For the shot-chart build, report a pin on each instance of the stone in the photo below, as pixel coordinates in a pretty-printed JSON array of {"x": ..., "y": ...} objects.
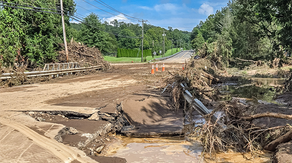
[
  {"x": 72, "y": 131},
  {"x": 94, "y": 117},
  {"x": 40, "y": 119}
]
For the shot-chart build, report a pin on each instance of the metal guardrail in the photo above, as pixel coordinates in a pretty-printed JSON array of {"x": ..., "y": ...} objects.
[
  {"x": 61, "y": 66},
  {"x": 5, "y": 76},
  {"x": 163, "y": 58},
  {"x": 197, "y": 104}
]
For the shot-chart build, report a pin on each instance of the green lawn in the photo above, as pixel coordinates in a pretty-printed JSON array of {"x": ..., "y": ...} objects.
[{"x": 135, "y": 60}]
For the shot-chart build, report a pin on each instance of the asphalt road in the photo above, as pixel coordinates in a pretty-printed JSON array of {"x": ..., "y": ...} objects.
[{"x": 180, "y": 58}]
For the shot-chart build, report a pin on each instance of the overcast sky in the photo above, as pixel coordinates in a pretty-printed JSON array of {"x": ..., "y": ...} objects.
[{"x": 180, "y": 14}]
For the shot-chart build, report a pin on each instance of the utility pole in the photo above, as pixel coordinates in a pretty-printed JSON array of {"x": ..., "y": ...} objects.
[
  {"x": 64, "y": 31},
  {"x": 163, "y": 43},
  {"x": 142, "y": 39}
]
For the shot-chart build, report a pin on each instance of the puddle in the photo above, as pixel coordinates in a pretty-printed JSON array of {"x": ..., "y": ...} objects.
[
  {"x": 261, "y": 90},
  {"x": 154, "y": 150},
  {"x": 176, "y": 150}
]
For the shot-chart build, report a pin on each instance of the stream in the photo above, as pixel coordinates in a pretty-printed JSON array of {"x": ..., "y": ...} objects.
[{"x": 177, "y": 149}]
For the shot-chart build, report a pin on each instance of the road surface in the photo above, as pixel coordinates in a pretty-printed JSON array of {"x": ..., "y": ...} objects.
[{"x": 180, "y": 58}]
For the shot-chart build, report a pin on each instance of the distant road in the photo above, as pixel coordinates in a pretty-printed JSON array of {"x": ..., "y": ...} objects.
[{"x": 180, "y": 58}]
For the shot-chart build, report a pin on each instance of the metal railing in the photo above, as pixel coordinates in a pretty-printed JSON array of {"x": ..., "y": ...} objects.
[
  {"x": 197, "y": 104},
  {"x": 56, "y": 73},
  {"x": 61, "y": 66}
]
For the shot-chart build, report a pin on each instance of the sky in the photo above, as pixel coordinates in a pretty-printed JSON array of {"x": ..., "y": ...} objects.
[{"x": 178, "y": 14}]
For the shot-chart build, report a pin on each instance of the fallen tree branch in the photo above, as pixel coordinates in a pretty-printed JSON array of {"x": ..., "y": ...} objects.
[
  {"x": 274, "y": 115},
  {"x": 283, "y": 139},
  {"x": 244, "y": 60}
]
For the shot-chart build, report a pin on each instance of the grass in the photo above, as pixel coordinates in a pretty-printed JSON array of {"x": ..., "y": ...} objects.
[
  {"x": 122, "y": 59},
  {"x": 136, "y": 60}
]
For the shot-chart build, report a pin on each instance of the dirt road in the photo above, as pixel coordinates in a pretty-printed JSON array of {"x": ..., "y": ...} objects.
[{"x": 80, "y": 94}]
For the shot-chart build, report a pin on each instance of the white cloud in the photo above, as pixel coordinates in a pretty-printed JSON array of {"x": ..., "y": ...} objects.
[
  {"x": 145, "y": 8},
  {"x": 76, "y": 22},
  {"x": 166, "y": 6},
  {"x": 120, "y": 18},
  {"x": 206, "y": 9}
]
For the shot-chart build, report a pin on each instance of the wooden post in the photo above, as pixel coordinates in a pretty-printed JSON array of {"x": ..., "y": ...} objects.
[{"x": 64, "y": 31}]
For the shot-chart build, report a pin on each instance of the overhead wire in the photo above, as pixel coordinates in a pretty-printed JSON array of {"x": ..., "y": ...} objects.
[
  {"x": 76, "y": 18},
  {"x": 106, "y": 11},
  {"x": 108, "y": 6},
  {"x": 15, "y": 7},
  {"x": 24, "y": 5}
]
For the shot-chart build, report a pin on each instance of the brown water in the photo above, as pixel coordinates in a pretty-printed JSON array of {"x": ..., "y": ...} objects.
[
  {"x": 176, "y": 150},
  {"x": 155, "y": 150}
]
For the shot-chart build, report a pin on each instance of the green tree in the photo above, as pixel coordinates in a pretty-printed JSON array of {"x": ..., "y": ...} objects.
[
  {"x": 198, "y": 42},
  {"x": 92, "y": 34},
  {"x": 127, "y": 39},
  {"x": 30, "y": 35}
]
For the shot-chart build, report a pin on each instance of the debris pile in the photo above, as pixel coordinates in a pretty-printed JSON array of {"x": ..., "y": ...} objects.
[
  {"x": 84, "y": 55},
  {"x": 198, "y": 76},
  {"x": 236, "y": 127}
]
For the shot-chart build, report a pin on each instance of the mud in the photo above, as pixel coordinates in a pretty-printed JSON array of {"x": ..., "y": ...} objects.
[
  {"x": 26, "y": 151},
  {"x": 152, "y": 114},
  {"x": 99, "y": 98}
]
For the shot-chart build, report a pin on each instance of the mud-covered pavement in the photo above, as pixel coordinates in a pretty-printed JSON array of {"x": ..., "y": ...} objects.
[{"x": 85, "y": 95}]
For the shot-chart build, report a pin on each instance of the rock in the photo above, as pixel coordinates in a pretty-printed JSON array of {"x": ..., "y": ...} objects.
[
  {"x": 59, "y": 138},
  {"x": 31, "y": 113},
  {"x": 119, "y": 108},
  {"x": 94, "y": 117},
  {"x": 99, "y": 149},
  {"x": 72, "y": 131},
  {"x": 91, "y": 151},
  {"x": 40, "y": 119}
]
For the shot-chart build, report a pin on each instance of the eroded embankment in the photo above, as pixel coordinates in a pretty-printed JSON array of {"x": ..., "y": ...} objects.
[{"x": 141, "y": 115}]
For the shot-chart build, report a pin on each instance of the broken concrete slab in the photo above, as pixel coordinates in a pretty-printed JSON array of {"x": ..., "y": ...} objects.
[
  {"x": 109, "y": 109},
  {"x": 152, "y": 115},
  {"x": 95, "y": 117}
]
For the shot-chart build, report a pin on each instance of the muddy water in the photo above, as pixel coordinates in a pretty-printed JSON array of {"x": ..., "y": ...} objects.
[
  {"x": 152, "y": 150},
  {"x": 254, "y": 89},
  {"x": 176, "y": 150}
]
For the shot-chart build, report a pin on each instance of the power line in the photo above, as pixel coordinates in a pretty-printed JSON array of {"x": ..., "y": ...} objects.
[
  {"x": 108, "y": 6},
  {"x": 105, "y": 10},
  {"x": 72, "y": 17},
  {"x": 80, "y": 20},
  {"x": 15, "y": 7},
  {"x": 23, "y": 5}
]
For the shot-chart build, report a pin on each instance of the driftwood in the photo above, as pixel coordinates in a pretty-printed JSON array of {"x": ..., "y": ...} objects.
[
  {"x": 274, "y": 115},
  {"x": 244, "y": 60},
  {"x": 282, "y": 139}
]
